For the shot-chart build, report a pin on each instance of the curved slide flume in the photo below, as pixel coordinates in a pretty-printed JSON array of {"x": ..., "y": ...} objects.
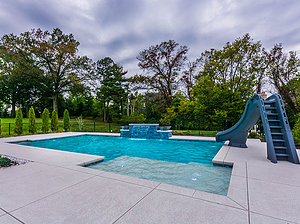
[{"x": 280, "y": 143}]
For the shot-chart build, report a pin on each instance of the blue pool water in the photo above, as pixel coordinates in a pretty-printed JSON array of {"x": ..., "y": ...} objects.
[{"x": 186, "y": 163}]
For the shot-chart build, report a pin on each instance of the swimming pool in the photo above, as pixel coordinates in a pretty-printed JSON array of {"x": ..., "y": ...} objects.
[{"x": 185, "y": 163}]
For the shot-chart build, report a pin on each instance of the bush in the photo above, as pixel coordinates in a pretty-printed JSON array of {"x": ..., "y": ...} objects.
[
  {"x": 31, "y": 120},
  {"x": 4, "y": 161},
  {"x": 54, "y": 121},
  {"x": 133, "y": 118},
  {"x": 66, "y": 120},
  {"x": 45, "y": 121},
  {"x": 19, "y": 122},
  {"x": 296, "y": 132},
  {"x": 252, "y": 135}
]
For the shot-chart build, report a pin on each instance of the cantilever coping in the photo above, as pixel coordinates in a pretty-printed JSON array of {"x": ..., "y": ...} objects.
[
  {"x": 221, "y": 155},
  {"x": 91, "y": 162}
]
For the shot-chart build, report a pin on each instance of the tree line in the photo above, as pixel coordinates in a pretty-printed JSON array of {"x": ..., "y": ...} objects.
[{"x": 44, "y": 69}]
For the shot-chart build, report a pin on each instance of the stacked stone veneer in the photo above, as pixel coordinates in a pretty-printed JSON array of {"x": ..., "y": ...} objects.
[{"x": 148, "y": 131}]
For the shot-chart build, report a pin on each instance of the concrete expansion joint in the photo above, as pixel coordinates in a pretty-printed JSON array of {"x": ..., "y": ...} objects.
[
  {"x": 7, "y": 213},
  {"x": 135, "y": 204},
  {"x": 247, "y": 186}
]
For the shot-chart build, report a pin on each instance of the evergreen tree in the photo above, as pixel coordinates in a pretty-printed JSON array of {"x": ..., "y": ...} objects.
[
  {"x": 32, "y": 124},
  {"x": 54, "y": 121},
  {"x": 45, "y": 120},
  {"x": 66, "y": 120},
  {"x": 19, "y": 122}
]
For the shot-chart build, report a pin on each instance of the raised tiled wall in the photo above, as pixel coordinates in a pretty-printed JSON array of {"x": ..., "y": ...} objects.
[{"x": 148, "y": 131}]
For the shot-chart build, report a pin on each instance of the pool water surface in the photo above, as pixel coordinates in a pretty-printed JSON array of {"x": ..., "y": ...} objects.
[{"x": 185, "y": 163}]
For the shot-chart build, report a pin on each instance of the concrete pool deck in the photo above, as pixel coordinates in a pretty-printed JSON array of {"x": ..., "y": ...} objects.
[{"x": 54, "y": 189}]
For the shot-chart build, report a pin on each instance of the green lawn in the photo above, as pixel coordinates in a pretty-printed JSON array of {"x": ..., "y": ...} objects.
[
  {"x": 89, "y": 125},
  {"x": 194, "y": 132}
]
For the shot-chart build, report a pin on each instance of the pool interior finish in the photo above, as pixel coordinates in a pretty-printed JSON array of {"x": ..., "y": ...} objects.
[{"x": 185, "y": 163}]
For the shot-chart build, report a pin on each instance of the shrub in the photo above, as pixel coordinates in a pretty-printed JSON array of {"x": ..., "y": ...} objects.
[
  {"x": 4, "y": 161},
  {"x": 31, "y": 120},
  {"x": 54, "y": 121},
  {"x": 296, "y": 132},
  {"x": 19, "y": 122},
  {"x": 66, "y": 120},
  {"x": 136, "y": 117},
  {"x": 252, "y": 135},
  {"x": 45, "y": 121}
]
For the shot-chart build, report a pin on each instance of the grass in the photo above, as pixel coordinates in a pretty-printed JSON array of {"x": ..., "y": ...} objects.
[
  {"x": 195, "y": 132},
  {"x": 89, "y": 125}
]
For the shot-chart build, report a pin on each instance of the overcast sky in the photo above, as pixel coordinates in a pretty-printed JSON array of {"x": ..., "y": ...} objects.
[{"x": 120, "y": 29}]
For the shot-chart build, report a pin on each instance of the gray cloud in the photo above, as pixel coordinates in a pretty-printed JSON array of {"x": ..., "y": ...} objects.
[{"x": 121, "y": 28}]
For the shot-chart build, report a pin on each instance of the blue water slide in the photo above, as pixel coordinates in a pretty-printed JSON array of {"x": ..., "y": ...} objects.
[{"x": 280, "y": 143}]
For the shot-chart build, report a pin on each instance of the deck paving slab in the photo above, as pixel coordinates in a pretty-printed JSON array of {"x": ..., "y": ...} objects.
[
  {"x": 276, "y": 200},
  {"x": 28, "y": 189},
  {"x": 15, "y": 172},
  {"x": 166, "y": 207},
  {"x": 262, "y": 219},
  {"x": 282, "y": 172},
  {"x": 7, "y": 219},
  {"x": 176, "y": 189},
  {"x": 2, "y": 212},
  {"x": 142, "y": 182},
  {"x": 217, "y": 199},
  {"x": 97, "y": 200}
]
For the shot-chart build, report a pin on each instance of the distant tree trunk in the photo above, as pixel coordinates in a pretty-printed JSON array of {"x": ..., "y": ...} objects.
[
  {"x": 128, "y": 105},
  {"x": 55, "y": 102},
  {"x": 104, "y": 113},
  {"x": 13, "y": 110}
]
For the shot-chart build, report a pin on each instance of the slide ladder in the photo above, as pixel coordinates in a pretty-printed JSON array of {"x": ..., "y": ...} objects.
[{"x": 280, "y": 143}]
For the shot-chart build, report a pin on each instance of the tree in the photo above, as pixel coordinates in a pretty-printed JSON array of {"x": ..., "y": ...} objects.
[
  {"x": 56, "y": 54},
  {"x": 66, "y": 120},
  {"x": 20, "y": 79},
  {"x": 283, "y": 74},
  {"x": 45, "y": 121},
  {"x": 54, "y": 121},
  {"x": 189, "y": 77},
  {"x": 31, "y": 120},
  {"x": 237, "y": 66},
  {"x": 113, "y": 90},
  {"x": 163, "y": 62},
  {"x": 296, "y": 131},
  {"x": 19, "y": 122}
]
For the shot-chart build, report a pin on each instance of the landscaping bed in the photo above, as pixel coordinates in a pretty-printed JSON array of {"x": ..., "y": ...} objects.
[{"x": 7, "y": 161}]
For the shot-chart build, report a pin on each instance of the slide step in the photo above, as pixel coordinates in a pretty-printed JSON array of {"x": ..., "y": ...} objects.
[
  {"x": 282, "y": 155},
  {"x": 278, "y": 140},
  {"x": 275, "y": 127},
  {"x": 272, "y": 114},
  {"x": 270, "y": 108},
  {"x": 280, "y": 147},
  {"x": 276, "y": 133},
  {"x": 271, "y": 120}
]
